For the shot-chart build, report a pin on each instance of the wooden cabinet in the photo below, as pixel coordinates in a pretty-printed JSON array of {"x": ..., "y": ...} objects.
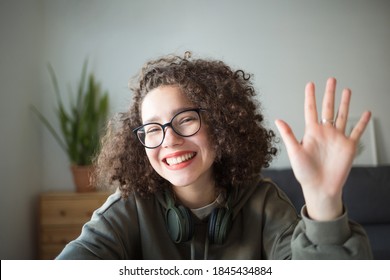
[{"x": 61, "y": 217}]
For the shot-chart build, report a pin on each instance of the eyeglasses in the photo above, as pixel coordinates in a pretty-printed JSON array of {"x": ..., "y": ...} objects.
[{"x": 185, "y": 123}]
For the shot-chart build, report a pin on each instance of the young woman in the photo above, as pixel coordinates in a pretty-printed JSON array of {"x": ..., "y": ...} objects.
[{"x": 186, "y": 162}]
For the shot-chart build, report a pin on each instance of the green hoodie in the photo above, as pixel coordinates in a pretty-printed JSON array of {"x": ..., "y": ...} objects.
[{"x": 265, "y": 225}]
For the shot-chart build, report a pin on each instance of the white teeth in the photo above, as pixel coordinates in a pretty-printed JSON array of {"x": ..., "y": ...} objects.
[{"x": 180, "y": 159}]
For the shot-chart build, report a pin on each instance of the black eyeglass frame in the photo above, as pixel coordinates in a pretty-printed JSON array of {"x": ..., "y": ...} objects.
[{"x": 169, "y": 124}]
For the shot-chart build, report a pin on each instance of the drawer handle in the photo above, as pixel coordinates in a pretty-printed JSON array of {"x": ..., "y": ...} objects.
[{"x": 63, "y": 213}]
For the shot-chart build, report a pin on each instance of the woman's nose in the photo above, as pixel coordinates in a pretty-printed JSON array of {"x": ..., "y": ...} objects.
[{"x": 172, "y": 138}]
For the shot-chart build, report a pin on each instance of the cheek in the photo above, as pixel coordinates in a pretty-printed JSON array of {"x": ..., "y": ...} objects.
[
  {"x": 204, "y": 138},
  {"x": 208, "y": 149},
  {"x": 211, "y": 155},
  {"x": 152, "y": 155}
]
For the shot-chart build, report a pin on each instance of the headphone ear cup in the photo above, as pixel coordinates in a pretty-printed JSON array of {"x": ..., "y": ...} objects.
[
  {"x": 174, "y": 224},
  {"x": 188, "y": 224},
  {"x": 219, "y": 225},
  {"x": 212, "y": 223},
  {"x": 215, "y": 224},
  {"x": 179, "y": 223},
  {"x": 226, "y": 224}
]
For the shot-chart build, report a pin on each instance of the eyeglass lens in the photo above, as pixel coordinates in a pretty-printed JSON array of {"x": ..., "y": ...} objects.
[{"x": 185, "y": 124}]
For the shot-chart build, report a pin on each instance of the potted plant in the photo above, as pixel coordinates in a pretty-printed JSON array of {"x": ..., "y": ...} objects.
[{"x": 80, "y": 124}]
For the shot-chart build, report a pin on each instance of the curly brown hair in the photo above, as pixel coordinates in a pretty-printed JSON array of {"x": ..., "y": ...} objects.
[{"x": 243, "y": 145}]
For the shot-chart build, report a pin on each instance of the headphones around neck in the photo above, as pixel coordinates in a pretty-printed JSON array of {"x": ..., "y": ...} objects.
[{"x": 181, "y": 225}]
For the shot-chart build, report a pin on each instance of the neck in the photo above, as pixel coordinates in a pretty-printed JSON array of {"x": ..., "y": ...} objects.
[{"x": 196, "y": 196}]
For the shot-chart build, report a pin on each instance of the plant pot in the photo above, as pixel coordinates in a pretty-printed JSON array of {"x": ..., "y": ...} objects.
[{"x": 82, "y": 178}]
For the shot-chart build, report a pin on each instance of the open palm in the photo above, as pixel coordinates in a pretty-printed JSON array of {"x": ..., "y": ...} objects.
[{"x": 322, "y": 160}]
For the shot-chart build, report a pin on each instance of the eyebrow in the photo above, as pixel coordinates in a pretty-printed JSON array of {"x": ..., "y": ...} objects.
[{"x": 173, "y": 113}]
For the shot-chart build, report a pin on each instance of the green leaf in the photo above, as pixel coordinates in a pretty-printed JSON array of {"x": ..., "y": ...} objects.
[{"x": 82, "y": 121}]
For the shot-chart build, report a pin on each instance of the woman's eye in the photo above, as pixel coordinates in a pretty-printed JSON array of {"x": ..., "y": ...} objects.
[
  {"x": 187, "y": 120},
  {"x": 154, "y": 129}
]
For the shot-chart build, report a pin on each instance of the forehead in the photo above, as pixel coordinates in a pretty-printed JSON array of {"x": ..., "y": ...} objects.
[{"x": 161, "y": 103}]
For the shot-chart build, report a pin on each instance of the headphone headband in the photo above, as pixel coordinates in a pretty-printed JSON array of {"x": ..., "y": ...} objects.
[{"x": 180, "y": 224}]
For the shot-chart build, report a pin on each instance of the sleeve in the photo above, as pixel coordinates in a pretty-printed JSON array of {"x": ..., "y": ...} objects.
[
  {"x": 336, "y": 239},
  {"x": 287, "y": 235},
  {"x": 112, "y": 233}
]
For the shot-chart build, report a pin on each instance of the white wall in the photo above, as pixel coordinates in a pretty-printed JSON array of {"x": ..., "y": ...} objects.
[
  {"x": 283, "y": 43},
  {"x": 20, "y": 149}
]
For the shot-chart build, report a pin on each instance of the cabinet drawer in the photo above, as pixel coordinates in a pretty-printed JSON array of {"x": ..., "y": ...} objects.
[
  {"x": 61, "y": 218},
  {"x": 69, "y": 209}
]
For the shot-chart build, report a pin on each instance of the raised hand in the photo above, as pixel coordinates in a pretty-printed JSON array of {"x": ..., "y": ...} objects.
[{"x": 322, "y": 160}]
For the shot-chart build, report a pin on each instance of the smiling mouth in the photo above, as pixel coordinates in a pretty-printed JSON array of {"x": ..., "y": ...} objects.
[{"x": 179, "y": 159}]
